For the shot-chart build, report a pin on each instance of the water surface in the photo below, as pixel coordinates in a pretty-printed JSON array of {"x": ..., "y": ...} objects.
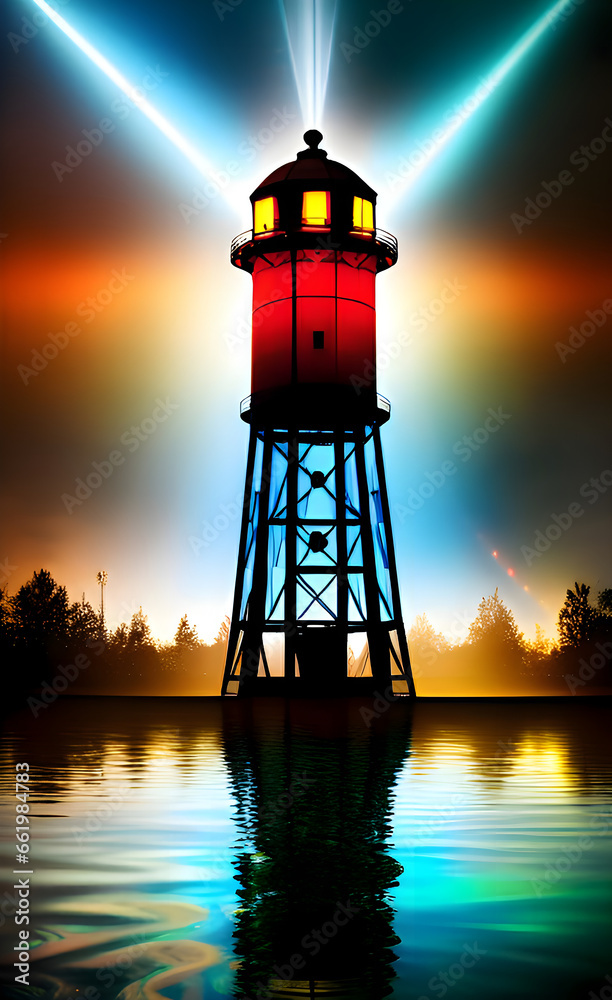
[{"x": 188, "y": 848}]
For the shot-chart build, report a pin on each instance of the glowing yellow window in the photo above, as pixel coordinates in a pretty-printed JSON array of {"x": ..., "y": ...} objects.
[
  {"x": 315, "y": 208},
  {"x": 266, "y": 216},
  {"x": 363, "y": 214}
]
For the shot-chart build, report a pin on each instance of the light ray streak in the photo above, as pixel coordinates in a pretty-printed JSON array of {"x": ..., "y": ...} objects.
[
  {"x": 132, "y": 93},
  {"x": 442, "y": 136},
  {"x": 309, "y": 27}
]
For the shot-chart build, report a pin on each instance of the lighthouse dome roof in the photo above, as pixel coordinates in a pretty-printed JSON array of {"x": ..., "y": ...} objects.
[{"x": 313, "y": 165}]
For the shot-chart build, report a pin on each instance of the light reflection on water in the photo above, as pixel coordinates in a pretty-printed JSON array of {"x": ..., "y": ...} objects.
[{"x": 187, "y": 848}]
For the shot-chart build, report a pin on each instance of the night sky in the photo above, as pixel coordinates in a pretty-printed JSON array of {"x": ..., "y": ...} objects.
[{"x": 162, "y": 348}]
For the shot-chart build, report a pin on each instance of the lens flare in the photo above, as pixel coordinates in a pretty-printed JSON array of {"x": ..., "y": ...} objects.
[
  {"x": 190, "y": 152},
  {"x": 443, "y": 135},
  {"x": 309, "y": 26}
]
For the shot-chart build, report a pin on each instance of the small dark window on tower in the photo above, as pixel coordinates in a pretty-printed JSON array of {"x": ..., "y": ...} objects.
[{"x": 318, "y": 337}]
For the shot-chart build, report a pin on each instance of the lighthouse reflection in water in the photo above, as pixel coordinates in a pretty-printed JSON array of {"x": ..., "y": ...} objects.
[{"x": 312, "y": 862}]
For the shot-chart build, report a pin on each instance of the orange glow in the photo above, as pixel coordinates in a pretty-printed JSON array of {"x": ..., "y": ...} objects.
[
  {"x": 510, "y": 572},
  {"x": 315, "y": 208},
  {"x": 495, "y": 553},
  {"x": 363, "y": 214},
  {"x": 522, "y": 281},
  {"x": 265, "y": 216}
]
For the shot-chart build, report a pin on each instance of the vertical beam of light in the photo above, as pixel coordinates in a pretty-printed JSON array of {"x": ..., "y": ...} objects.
[
  {"x": 309, "y": 26},
  {"x": 480, "y": 95},
  {"x": 325, "y": 14},
  {"x": 190, "y": 152}
]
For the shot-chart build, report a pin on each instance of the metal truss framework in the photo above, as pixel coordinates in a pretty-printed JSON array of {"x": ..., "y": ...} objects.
[{"x": 316, "y": 566}]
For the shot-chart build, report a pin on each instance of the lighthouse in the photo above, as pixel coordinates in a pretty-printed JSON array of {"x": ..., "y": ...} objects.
[{"x": 316, "y": 608}]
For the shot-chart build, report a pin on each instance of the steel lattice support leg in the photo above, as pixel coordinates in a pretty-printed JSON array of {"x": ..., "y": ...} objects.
[
  {"x": 244, "y": 654},
  {"x": 252, "y": 651},
  {"x": 233, "y": 653},
  {"x": 274, "y": 538},
  {"x": 377, "y": 641},
  {"x": 293, "y": 461},
  {"x": 393, "y": 578}
]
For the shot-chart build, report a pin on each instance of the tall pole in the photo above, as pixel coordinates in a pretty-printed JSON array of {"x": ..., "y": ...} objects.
[{"x": 102, "y": 579}]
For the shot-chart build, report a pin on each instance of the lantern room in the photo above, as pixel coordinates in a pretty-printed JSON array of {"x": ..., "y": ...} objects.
[{"x": 314, "y": 252}]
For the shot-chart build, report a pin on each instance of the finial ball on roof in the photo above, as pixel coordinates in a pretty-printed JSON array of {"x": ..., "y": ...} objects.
[{"x": 313, "y": 137}]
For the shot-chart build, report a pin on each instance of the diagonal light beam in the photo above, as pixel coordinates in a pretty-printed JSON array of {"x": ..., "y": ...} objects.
[
  {"x": 190, "y": 152},
  {"x": 441, "y": 136}
]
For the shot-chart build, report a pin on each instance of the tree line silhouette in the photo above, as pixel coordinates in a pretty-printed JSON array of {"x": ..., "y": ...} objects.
[
  {"x": 51, "y": 645},
  {"x": 47, "y": 642},
  {"x": 578, "y": 662}
]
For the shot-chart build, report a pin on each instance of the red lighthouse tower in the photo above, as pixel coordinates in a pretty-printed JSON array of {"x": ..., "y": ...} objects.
[{"x": 316, "y": 605}]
